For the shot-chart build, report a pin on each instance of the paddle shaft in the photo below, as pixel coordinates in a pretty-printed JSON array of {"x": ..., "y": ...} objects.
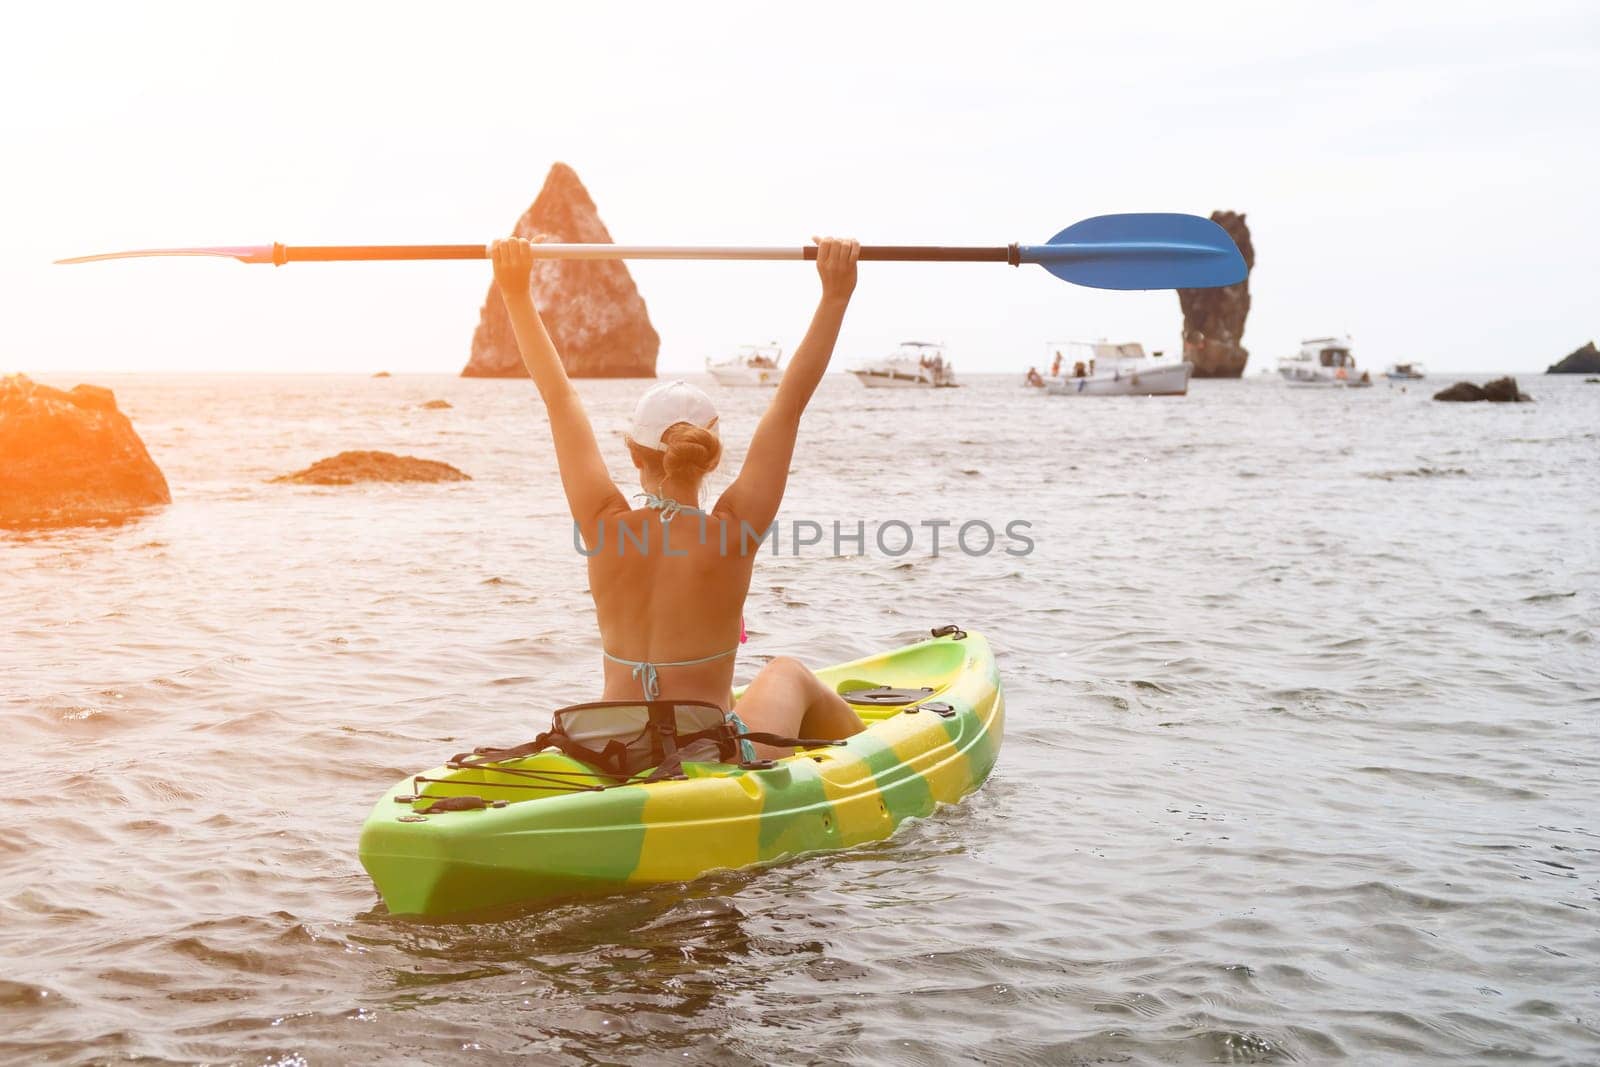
[
  {"x": 281, "y": 254},
  {"x": 1152, "y": 250}
]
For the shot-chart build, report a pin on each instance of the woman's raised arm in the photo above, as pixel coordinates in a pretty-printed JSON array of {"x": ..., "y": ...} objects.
[
  {"x": 591, "y": 494},
  {"x": 756, "y": 493}
]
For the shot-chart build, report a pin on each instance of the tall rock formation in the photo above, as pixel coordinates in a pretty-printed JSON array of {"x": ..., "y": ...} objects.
[
  {"x": 68, "y": 459},
  {"x": 1213, "y": 319},
  {"x": 591, "y": 308}
]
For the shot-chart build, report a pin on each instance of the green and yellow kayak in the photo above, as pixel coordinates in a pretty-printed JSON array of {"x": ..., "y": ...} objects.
[{"x": 529, "y": 841}]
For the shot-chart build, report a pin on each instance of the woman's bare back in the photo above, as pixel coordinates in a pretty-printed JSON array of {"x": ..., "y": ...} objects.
[{"x": 668, "y": 592}]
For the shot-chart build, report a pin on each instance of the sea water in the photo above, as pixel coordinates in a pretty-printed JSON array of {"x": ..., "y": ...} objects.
[{"x": 1301, "y": 755}]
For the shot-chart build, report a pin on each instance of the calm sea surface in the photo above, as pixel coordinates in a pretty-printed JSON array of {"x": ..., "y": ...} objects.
[{"x": 1302, "y": 759}]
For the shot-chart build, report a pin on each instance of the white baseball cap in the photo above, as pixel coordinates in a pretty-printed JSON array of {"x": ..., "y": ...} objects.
[{"x": 666, "y": 404}]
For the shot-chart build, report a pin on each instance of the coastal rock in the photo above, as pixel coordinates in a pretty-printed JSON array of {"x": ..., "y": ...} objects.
[
  {"x": 1461, "y": 392},
  {"x": 1504, "y": 390},
  {"x": 1585, "y": 360},
  {"x": 383, "y": 374},
  {"x": 70, "y": 458},
  {"x": 1213, "y": 319},
  {"x": 592, "y": 309},
  {"x": 347, "y": 468},
  {"x": 1501, "y": 390},
  {"x": 437, "y": 405}
]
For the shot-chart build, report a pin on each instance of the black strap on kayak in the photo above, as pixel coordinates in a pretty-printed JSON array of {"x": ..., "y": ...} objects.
[
  {"x": 607, "y": 761},
  {"x": 938, "y": 707},
  {"x": 665, "y": 725},
  {"x": 493, "y": 754},
  {"x": 884, "y": 696},
  {"x": 671, "y": 766},
  {"x": 610, "y": 761},
  {"x": 548, "y": 781},
  {"x": 466, "y": 803}
]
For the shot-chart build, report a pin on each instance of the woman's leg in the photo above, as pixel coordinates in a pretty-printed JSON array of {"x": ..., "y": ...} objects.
[{"x": 787, "y": 698}]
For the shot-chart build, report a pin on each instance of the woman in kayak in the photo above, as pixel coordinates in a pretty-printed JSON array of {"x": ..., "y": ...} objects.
[{"x": 669, "y": 595}]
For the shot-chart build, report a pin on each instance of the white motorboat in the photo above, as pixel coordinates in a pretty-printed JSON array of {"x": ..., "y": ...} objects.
[
  {"x": 751, "y": 365},
  {"x": 1099, "y": 368},
  {"x": 1323, "y": 362},
  {"x": 1405, "y": 372},
  {"x": 914, "y": 365}
]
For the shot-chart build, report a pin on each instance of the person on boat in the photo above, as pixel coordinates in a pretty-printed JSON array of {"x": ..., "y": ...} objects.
[
  {"x": 669, "y": 579},
  {"x": 1033, "y": 377},
  {"x": 1055, "y": 368}
]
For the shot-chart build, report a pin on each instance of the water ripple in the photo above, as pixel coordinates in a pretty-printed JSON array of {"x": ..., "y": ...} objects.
[{"x": 1300, "y": 761}]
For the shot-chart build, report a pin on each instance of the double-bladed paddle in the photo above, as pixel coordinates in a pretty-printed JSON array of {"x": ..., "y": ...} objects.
[{"x": 1141, "y": 251}]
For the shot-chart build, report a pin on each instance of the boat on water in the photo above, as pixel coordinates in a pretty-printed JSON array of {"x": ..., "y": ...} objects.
[
  {"x": 1323, "y": 362},
  {"x": 914, "y": 365},
  {"x": 500, "y": 826},
  {"x": 750, "y": 365},
  {"x": 1101, "y": 368},
  {"x": 1405, "y": 372}
]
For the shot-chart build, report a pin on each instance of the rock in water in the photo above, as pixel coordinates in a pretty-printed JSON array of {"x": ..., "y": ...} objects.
[
  {"x": 1213, "y": 319},
  {"x": 591, "y": 308},
  {"x": 1502, "y": 390},
  {"x": 1460, "y": 392},
  {"x": 437, "y": 405},
  {"x": 1585, "y": 360},
  {"x": 67, "y": 459},
  {"x": 347, "y": 468}
]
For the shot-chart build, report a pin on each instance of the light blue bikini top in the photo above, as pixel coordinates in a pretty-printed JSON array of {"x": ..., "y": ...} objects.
[{"x": 643, "y": 670}]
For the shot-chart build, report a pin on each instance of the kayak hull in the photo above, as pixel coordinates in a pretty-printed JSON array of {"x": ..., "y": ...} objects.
[{"x": 552, "y": 842}]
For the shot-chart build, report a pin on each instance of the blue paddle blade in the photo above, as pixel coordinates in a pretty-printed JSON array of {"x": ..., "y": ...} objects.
[{"x": 1146, "y": 251}]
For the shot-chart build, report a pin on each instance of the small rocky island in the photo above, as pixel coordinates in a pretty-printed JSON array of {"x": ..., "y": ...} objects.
[
  {"x": 71, "y": 458},
  {"x": 592, "y": 309},
  {"x": 1213, "y": 319},
  {"x": 1585, "y": 360},
  {"x": 1501, "y": 390},
  {"x": 348, "y": 468}
]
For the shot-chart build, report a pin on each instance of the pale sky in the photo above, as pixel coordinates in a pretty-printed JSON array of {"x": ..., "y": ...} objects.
[{"x": 1421, "y": 176}]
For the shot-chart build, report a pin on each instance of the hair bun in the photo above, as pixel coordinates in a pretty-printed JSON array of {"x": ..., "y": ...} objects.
[{"x": 691, "y": 451}]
